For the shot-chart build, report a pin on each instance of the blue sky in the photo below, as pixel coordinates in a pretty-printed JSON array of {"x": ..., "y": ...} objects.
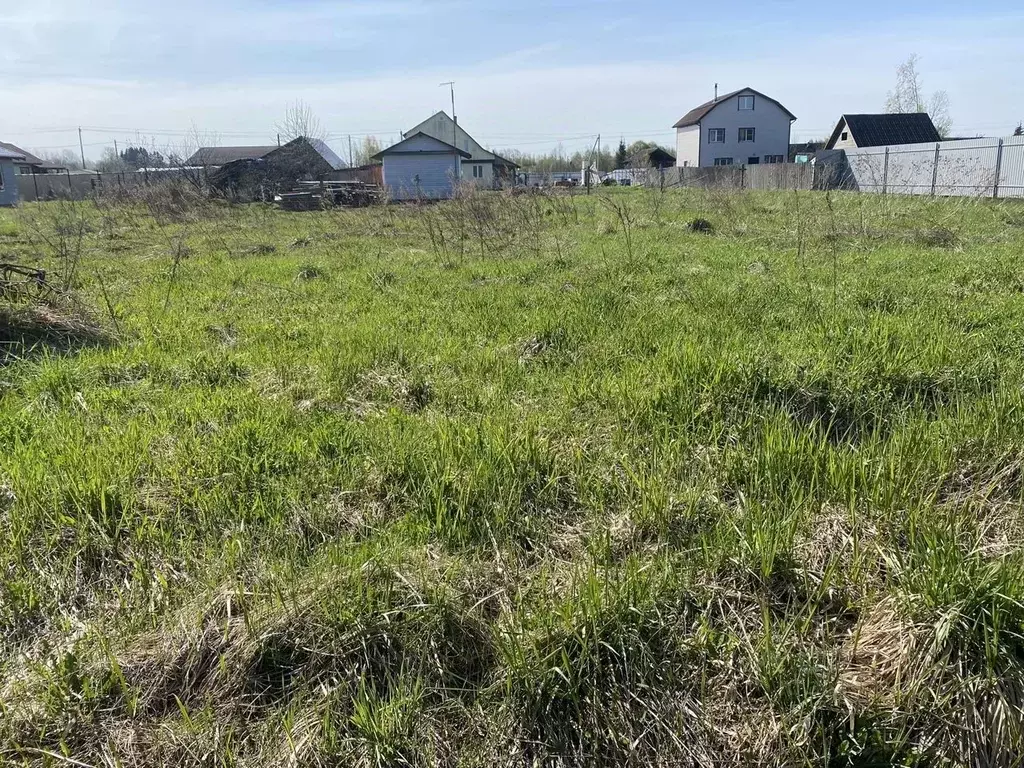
[{"x": 529, "y": 74}]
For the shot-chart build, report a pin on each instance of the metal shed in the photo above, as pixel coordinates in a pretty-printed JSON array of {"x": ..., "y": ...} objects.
[{"x": 421, "y": 167}]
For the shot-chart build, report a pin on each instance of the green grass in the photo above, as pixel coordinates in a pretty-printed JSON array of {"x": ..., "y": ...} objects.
[{"x": 516, "y": 481}]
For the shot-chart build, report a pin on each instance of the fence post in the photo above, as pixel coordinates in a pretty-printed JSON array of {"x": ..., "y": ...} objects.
[
  {"x": 999, "y": 168},
  {"x": 35, "y": 184},
  {"x": 935, "y": 168},
  {"x": 885, "y": 173}
]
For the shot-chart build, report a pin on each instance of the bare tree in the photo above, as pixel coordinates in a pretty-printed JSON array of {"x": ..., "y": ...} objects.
[
  {"x": 909, "y": 96},
  {"x": 180, "y": 153},
  {"x": 369, "y": 147},
  {"x": 299, "y": 120},
  {"x": 65, "y": 158}
]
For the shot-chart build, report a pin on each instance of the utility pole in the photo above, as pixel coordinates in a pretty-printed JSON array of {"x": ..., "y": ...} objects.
[
  {"x": 350, "y": 163},
  {"x": 595, "y": 160},
  {"x": 116, "y": 152},
  {"x": 455, "y": 119},
  {"x": 279, "y": 141},
  {"x": 81, "y": 146}
]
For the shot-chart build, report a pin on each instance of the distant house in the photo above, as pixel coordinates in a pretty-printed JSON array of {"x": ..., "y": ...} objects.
[
  {"x": 215, "y": 157},
  {"x": 8, "y": 182},
  {"x": 742, "y": 127},
  {"x": 654, "y": 157},
  {"x": 422, "y": 167},
  {"x": 256, "y": 172},
  {"x": 29, "y": 163},
  {"x": 482, "y": 167},
  {"x": 804, "y": 151},
  {"x": 853, "y": 131}
]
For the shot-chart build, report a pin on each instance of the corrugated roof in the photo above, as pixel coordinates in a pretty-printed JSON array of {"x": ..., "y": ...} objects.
[
  {"x": 225, "y": 155},
  {"x": 695, "y": 115},
  {"x": 17, "y": 153},
  {"x": 887, "y": 129}
]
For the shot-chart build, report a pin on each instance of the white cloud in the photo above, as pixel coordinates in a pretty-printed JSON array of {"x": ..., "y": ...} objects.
[{"x": 532, "y": 101}]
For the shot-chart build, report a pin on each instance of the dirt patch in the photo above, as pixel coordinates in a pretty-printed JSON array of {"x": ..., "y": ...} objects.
[{"x": 379, "y": 389}]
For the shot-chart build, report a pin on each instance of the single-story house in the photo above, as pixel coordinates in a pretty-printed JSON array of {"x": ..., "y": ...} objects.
[
  {"x": 802, "y": 152},
  {"x": 257, "y": 172},
  {"x": 8, "y": 183},
  {"x": 854, "y": 131},
  {"x": 30, "y": 164},
  {"x": 422, "y": 167},
  {"x": 215, "y": 157},
  {"x": 483, "y": 167},
  {"x": 551, "y": 178},
  {"x": 655, "y": 157},
  {"x": 744, "y": 127}
]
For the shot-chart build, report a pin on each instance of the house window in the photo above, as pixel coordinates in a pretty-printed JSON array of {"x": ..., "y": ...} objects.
[
  {"x": 723, "y": 161},
  {"x": 746, "y": 103},
  {"x": 25, "y": 170},
  {"x": 716, "y": 136},
  {"x": 753, "y": 161},
  {"x": 845, "y": 136},
  {"x": 774, "y": 159},
  {"x": 746, "y": 134},
  {"x": 478, "y": 171}
]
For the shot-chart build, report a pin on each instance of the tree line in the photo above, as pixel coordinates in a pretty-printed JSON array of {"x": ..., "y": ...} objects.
[{"x": 558, "y": 160}]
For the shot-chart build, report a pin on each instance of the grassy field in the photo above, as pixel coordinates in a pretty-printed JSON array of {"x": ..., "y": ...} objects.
[{"x": 516, "y": 481}]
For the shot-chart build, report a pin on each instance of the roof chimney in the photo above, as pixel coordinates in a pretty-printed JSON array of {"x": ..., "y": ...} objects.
[{"x": 716, "y": 91}]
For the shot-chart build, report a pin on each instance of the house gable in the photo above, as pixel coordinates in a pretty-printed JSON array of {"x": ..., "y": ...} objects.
[
  {"x": 420, "y": 143},
  {"x": 697, "y": 114},
  {"x": 879, "y": 130}
]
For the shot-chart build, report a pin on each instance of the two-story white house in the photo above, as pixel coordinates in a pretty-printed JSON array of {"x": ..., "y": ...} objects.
[
  {"x": 744, "y": 127},
  {"x": 482, "y": 168}
]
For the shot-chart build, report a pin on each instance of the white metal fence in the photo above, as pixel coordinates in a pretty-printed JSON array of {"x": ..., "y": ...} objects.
[{"x": 973, "y": 168}]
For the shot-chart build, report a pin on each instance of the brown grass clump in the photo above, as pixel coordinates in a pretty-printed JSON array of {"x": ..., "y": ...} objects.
[{"x": 27, "y": 329}]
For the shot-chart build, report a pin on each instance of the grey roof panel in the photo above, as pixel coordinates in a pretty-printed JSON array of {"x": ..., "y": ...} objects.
[
  {"x": 225, "y": 155},
  {"x": 327, "y": 154},
  {"x": 13, "y": 152}
]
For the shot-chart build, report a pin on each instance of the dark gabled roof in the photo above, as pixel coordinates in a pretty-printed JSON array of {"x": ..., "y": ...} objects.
[
  {"x": 17, "y": 153},
  {"x": 225, "y": 155},
  {"x": 695, "y": 115},
  {"x": 397, "y": 147},
  {"x": 887, "y": 130},
  {"x": 320, "y": 147}
]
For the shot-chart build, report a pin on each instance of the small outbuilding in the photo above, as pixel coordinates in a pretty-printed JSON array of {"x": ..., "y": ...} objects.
[
  {"x": 858, "y": 131},
  {"x": 8, "y": 183},
  {"x": 255, "y": 173},
  {"x": 652, "y": 157},
  {"x": 421, "y": 167},
  {"x": 29, "y": 164}
]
